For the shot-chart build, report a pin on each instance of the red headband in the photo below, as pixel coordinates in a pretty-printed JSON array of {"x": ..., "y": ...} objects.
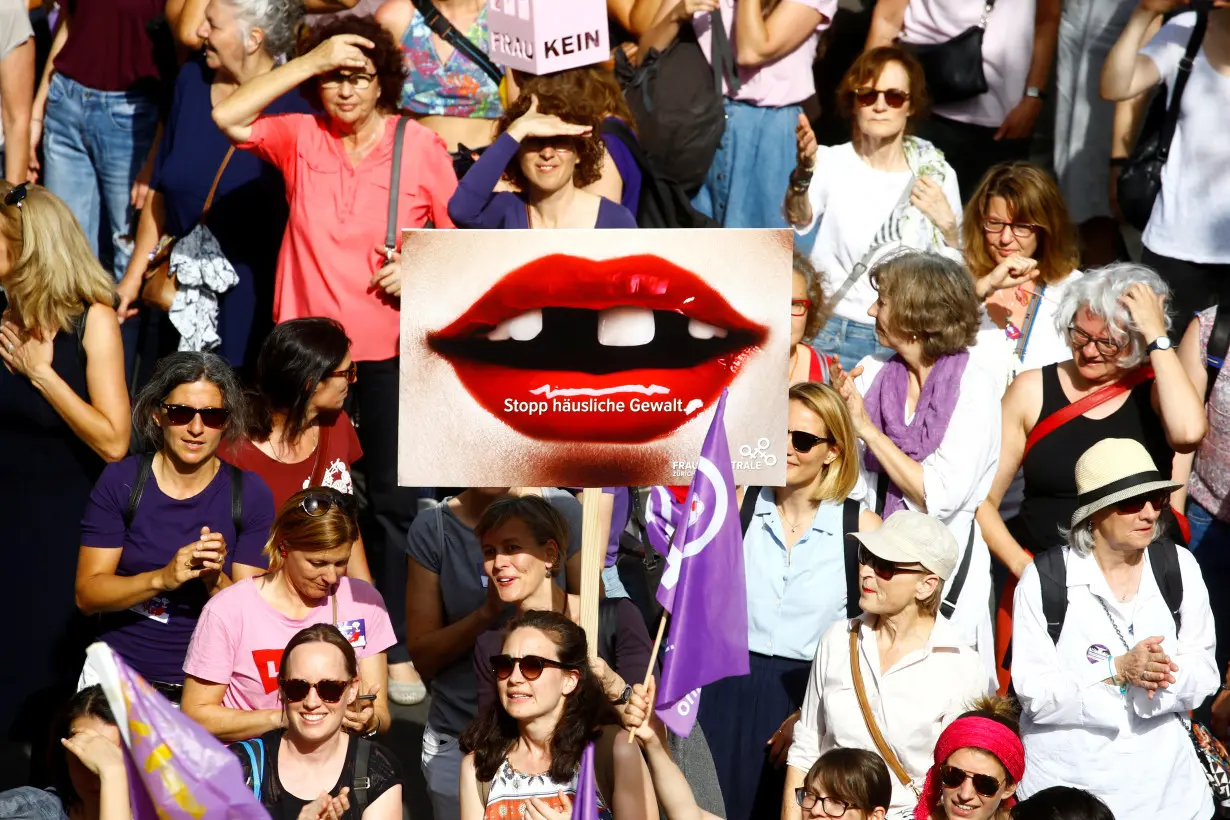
[{"x": 977, "y": 733}]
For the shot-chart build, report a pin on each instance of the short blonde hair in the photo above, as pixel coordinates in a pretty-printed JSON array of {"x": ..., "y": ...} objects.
[
  {"x": 840, "y": 475},
  {"x": 294, "y": 529},
  {"x": 54, "y": 273}
]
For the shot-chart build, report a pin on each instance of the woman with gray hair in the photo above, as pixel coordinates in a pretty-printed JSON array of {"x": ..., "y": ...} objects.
[
  {"x": 228, "y": 208},
  {"x": 1113, "y": 643},
  {"x": 161, "y": 527}
]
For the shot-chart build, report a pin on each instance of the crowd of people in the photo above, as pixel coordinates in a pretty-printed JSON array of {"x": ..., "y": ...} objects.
[{"x": 990, "y": 587}]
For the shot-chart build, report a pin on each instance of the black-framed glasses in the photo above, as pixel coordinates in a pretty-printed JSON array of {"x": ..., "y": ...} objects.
[
  {"x": 1021, "y": 230},
  {"x": 984, "y": 784},
  {"x": 350, "y": 374},
  {"x": 803, "y": 441},
  {"x": 358, "y": 81},
  {"x": 799, "y": 307},
  {"x": 330, "y": 691},
  {"x": 532, "y": 666},
  {"x": 893, "y": 97},
  {"x": 1131, "y": 506},
  {"x": 317, "y": 503},
  {"x": 179, "y": 415},
  {"x": 1078, "y": 339},
  {"x": 829, "y": 806},
  {"x": 884, "y": 569},
  {"x": 17, "y": 195}
]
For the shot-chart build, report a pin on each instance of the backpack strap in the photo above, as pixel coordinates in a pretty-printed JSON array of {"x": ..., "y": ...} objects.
[
  {"x": 1053, "y": 579},
  {"x": 144, "y": 469},
  {"x": 1164, "y": 559},
  {"x": 257, "y": 767},
  {"x": 849, "y": 523},
  {"x": 949, "y": 604},
  {"x": 446, "y": 31},
  {"x": 748, "y": 508},
  {"x": 236, "y": 499},
  {"x": 362, "y": 781},
  {"x": 1219, "y": 344}
]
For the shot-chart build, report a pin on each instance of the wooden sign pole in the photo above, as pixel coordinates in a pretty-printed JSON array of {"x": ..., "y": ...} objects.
[{"x": 594, "y": 536}]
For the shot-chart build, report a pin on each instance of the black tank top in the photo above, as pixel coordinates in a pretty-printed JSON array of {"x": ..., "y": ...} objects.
[{"x": 1050, "y": 467}]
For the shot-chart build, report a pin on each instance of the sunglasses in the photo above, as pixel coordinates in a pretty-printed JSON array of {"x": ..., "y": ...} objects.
[
  {"x": 883, "y": 569},
  {"x": 984, "y": 784},
  {"x": 330, "y": 691},
  {"x": 562, "y": 145},
  {"x": 17, "y": 195},
  {"x": 803, "y": 442},
  {"x": 799, "y": 307},
  {"x": 893, "y": 97},
  {"x": 1078, "y": 339},
  {"x": 350, "y": 374},
  {"x": 317, "y": 504},
  {"x": 531, "y": 666},
  {"x": 182, "y": 414},
  {"x": 1130, "y": 506}
]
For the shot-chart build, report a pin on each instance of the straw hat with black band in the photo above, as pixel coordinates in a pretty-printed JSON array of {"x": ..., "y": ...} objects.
[{"x": 1114, "y": 470}]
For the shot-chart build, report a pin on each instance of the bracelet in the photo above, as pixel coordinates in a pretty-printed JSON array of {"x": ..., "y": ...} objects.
[
  {"x": 1114, "y": 677},
  {"x": 1224, "y": 688}
]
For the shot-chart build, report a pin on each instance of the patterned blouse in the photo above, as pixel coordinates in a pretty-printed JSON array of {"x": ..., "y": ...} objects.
[
  {"x": 1210, "y": 481},
  {"x": 459, "y": 87},
  {"x": 511, "y": 792}
]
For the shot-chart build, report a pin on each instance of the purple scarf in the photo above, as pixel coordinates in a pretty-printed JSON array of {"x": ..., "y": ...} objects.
[{"x": 885, "y": 404}]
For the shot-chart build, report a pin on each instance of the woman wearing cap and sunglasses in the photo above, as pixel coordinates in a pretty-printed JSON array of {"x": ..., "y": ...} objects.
[
  {"x": 162, "y": 528},
  {"x": 232, "y": 664},
  {"x": 979, "y": 761},
  {"x": 884, "y": 189},
  {"x": 915, "y": 671},
  {"x": 1112, "y": 644}
]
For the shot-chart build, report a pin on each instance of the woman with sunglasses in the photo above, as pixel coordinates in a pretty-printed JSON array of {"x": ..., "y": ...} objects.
[
  {"x": 918, "y": 672},
  {"x": 808, "y": 313},
  {"x": 162, "y": 528},
  {"x": 883, "y": 190},
  {"x": 979, "y": 761},
  {"x": 312, "y": 768},
  {"x": 232, "y": 664},
  {"x": 1112, "y": 646},
  {"x": 528, "y": 748}
]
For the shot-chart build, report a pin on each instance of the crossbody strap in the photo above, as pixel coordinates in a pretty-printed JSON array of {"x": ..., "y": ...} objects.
[
  {"x": 1098, "y": 397},
  {"x": 861, "y": 266},
  {"x": 721, "y": 55},
  {"x": 1171, "y": 122},
  {"x": 446, "y": 31},
  {"x": 213, "y": 189},
  {"x": 886, "y": 751},
  {"x": 949, "y": 604},
  {"x": 850, "y": 511},
  {"x": 1219, "y": 342},
  {"x": 390, "y": 236}
]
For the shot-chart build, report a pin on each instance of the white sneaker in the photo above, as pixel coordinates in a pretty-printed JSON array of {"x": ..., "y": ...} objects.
[{"x": 406, "y": 694}]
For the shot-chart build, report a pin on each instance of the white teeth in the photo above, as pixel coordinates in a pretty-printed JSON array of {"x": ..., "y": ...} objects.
[
  {"x": 700, "y": 330},
  {"x": 521, "y": 328},
  {"x": 625, "y": 327}
]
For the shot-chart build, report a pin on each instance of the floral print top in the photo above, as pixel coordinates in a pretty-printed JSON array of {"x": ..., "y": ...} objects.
[{"x": 456, "y": 88}]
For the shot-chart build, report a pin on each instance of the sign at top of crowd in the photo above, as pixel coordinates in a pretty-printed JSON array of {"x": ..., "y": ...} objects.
[
  {"x": 541, "y": 36},
  {"x": 591, "y": 358}
]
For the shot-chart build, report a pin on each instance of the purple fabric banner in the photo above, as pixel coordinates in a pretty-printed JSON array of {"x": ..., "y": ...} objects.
[
  {"x": 704, "y": 587},
  {"x": 585, "y": 804}
]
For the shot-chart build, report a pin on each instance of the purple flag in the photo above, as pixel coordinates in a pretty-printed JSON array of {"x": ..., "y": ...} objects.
[
  {"x": 661, "y": 512},
  {"x": 585, "y": 801},
  {"x": 703, "y": 587},
  {"x": 176, "y": 769}
]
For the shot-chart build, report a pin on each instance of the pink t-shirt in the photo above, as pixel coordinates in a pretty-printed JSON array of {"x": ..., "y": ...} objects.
[
  {"x": 240, "y": 637},
  {"x": 339, "y": 216},
  {"x": 785, "y": 81}
]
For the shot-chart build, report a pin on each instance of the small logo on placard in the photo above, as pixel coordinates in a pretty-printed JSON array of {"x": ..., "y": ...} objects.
[{"x": 354, "y": 631}]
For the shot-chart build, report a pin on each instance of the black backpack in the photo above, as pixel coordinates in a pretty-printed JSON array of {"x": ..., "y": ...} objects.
[
  {"x": 146, "y": 468},
  {"x": 663, "y": 202}
]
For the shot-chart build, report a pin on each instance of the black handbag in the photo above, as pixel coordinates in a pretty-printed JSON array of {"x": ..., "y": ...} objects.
[
  {"x": 1140, "y": 181},
  {"x": 954, "y": 68}
]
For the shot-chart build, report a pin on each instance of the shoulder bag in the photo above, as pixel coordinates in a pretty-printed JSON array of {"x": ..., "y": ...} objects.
[
  {"x": 446, "y": 31},
  {"x": 886, "y": 751},
  {"x": 953, "y": 68}
]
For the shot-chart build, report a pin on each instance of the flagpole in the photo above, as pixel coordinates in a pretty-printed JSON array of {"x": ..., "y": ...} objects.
[
  {"x": 653, "y": 656},
  {"x": 593, "y": 556}
]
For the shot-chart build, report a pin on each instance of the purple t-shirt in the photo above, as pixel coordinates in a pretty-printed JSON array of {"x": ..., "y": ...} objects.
[{"x": 153, "y": 636}]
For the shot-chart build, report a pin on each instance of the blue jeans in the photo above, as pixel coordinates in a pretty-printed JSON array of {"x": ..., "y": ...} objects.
[
  {"x": 849, "y": 341},
  {"x": 746, "y": 184},
  {"x": 1206, "y": 527},
  {"x": 1211, "y": 544}
]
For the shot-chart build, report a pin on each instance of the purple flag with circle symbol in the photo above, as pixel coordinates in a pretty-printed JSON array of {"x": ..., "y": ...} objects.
[
  {"x": 703, "y": 587},
  {"x": 585, "y": 801}
]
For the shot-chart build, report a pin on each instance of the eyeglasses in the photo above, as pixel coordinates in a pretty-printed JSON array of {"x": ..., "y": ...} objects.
[
  {"x": 330, "y": 691},
  {"x": 984, "y": 784},
  {"x": 803, "y": 442},
  {"x": 1078, "y": 339},
  {"x": 1020, "y": 230},
  {"x": 885, "y": 570},
  {"x": 830, "y": 806},
  {"x": 893, "y": 97},
  {"x": 799, "y": 307},
  {"x": 1130, "y": 506},
  {"x": 181, "y": 414},
  {"x": 17, "y": 195},
  {"x": 531, "y": 666},
  {"x": 359, "y": 82},
  {"x": 351, "y": 374},
  {"x": 318, "y": 503}
]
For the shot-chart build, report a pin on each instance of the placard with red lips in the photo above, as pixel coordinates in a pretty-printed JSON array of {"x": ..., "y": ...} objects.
[{"x": 591, "y": 358}]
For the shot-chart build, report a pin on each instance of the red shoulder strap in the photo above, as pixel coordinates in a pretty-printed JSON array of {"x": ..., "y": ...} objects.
[{"x": 1098, "y": 397}]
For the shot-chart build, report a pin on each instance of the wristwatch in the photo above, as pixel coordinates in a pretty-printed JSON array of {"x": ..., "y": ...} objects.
[
  {"x": 1160, "y": 343},
  {"x": 625, "y": 697},
  {"x": 1035, "y": 92}
]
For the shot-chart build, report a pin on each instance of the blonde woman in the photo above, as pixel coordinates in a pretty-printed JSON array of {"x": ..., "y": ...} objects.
[
  {"x": 63, "y": 415},
  {"x": 800, "y": 580},
  {"x": 231, "y": 671}
]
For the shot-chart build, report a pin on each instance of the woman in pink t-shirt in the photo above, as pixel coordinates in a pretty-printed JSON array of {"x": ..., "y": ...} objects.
[{"x": 231, "y": 671}]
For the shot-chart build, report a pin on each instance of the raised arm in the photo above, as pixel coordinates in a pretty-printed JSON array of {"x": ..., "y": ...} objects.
[
  {"x": 1019, "y": 124},
  {"x": 669, "y": 784},
  {"x": 760, "y": 39},
  {"x": 887, "y": 19},
  {"x": 671, "y": 15},
  {"x": 432, "y": 644},
  {"x": 202, "y": 701},
  {"x": 1127, "y": 73},
  {"x": 797, "y": 206}
]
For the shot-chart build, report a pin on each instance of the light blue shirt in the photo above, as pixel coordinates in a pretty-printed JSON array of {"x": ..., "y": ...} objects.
[{"x": 793, "y": 597}]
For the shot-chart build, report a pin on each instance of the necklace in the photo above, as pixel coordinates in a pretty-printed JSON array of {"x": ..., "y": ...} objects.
[{"x": 793, "y": 526}]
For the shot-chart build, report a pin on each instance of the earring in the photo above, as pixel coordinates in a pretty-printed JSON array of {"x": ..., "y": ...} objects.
[{"x": 282, "y": 553}]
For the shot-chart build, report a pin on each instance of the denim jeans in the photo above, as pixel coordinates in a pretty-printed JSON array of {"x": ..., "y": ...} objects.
[
  {"x": 849, "y": 341},
  {"x": 441, "y": 763},
  {"x": 29, "y": 803},
  {"x": 746, "y": 184},
  {"x": 1210, "y": 543}
]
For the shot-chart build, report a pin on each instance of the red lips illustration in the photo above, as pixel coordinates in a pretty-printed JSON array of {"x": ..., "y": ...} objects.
[{"x": 621, "y": 350}]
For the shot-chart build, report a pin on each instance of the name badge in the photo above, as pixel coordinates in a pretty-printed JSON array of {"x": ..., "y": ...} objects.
[
  {"x": 157, "y": 609},
  {"x": 354, "y": 631},
  {"x": 1097, "y": 653},
  {"x": 482, "y": 574}
]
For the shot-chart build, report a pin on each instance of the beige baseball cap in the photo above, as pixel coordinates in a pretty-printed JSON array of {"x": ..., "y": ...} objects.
[{"x": 910, "y": 537}]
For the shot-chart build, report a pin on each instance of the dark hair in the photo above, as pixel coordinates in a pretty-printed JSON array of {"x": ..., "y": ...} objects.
[
  {"x": 295, "y": 357},
  {"x": 1062, "y": 803},
  {"x": 854, "y": 776},
  {"x": 932, "y": 297},
  {"x": 540, "y": 517},
  {"x": 320, "y": 633},
  {"x": 89, "y": 702},
  {"x": 569, "y": 109},
  {"x": 587, "y": 710},
  {"x": 186, "y": 367},
  {"x": 386, "y": 57},
  {"x": 867, "y": 69}
]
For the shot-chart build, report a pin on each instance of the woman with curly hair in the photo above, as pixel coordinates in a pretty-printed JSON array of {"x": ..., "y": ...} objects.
[
  {"x": 527, "y": 748},
  {"x": 808, "y": 313},
  {"x": 550, "y": 151}
]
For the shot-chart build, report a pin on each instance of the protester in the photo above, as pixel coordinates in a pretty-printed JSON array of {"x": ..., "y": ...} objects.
[
  {"x": 799, "y": 579},
  {"x": 1111, "y": 670},
  {"x": 929, "y": 419},
  {"x": 550, "y": 151},
  {"x": 882, "y": 190},
  {"x": 318, "y": 681},
  {"x": 230, "y": 277},
  {"x": 808, "y": 314},
  {"x": 922, "y": 671},
  {"x": 17, "y": 83},
  {"x": 232, "y": 665},
  {"x": 1183, "y": 240},
  {"x": 979, "y": 760},
  {"x": 523, "y": 542},
  {"x": 528, "y": 748},
  {"x": 63, "y": 414},
  {"x": 1062, "y": 803},
  {"x": 162, "y": 528}
]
